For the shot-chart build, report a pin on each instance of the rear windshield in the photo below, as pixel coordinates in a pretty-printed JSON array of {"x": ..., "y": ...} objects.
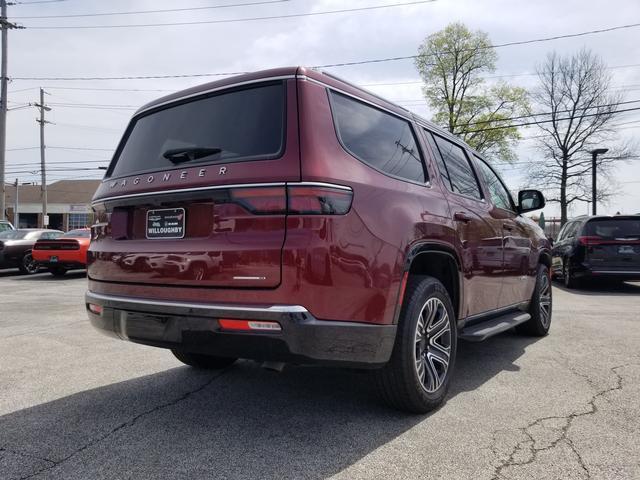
[
  {"x": 246, "y": 124},
  {"x": 77, "y": 234},
  {"x": 613, "y": 228}
]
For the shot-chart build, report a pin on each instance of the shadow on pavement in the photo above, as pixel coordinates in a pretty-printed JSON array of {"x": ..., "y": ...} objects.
[
  {"x": 307, "y": 422},
  {"x": 47, "y": 277},
  {"x": 602, "y": 287}
]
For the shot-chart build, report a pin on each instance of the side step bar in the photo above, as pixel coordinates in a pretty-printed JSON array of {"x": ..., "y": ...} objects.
[{"x": 489, "y": 328}]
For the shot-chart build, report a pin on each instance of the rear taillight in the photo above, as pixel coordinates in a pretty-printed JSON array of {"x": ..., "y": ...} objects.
[
  {"x": 316, "y": 200},
  {"x": 261, "y": 200},
  {"x": 295, "y": 200},
  {"x": 590, "y": 240}
]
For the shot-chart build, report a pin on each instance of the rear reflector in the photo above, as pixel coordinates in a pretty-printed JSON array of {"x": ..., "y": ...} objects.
[
  {"x": 248, "y": 325},
  {"x": 93, "y": 308}
]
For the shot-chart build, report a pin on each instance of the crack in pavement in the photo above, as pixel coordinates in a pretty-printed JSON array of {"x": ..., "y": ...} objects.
[
  {"x": 528, "y": 445},
  {"x": 127, "y": 424},
  {"x": 23, "y": 454}
]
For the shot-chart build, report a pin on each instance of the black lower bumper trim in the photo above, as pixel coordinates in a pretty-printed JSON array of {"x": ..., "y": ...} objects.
[{"x": 195, "y": 328}]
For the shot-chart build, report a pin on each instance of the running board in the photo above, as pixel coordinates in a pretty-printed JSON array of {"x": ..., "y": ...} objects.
[{"x": 489, "y": 328}]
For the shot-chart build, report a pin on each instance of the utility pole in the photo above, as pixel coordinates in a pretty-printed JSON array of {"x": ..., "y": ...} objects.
[
  {"x": 16, "y": 217},
  {"x": 4, "y": 27},
  {"x": 43, "y": 171},
  {"x": 594, "y": 158}
]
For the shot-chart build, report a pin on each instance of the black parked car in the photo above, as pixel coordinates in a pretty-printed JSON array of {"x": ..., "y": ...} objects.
[
  {"x": 598, "y": 247},
  {"x": 16, "y": 245}
]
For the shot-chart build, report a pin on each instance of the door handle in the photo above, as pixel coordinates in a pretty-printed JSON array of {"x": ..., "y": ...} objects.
[
  {"x": 507, "y": 226},
  {"x": 462, "y": 217}
]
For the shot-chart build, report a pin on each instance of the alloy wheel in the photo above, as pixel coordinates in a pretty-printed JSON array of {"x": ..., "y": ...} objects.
[
  {"x": 432, "y": 345},
  {"x": 29, "y": 264},
  {"x": 545, "y": 301}
]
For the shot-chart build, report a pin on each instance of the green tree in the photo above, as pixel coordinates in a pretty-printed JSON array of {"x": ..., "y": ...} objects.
[{"x": 452, "y": 64}]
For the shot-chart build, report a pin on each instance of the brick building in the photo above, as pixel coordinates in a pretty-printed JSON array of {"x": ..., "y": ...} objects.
[{"x": 68, "y": 204}]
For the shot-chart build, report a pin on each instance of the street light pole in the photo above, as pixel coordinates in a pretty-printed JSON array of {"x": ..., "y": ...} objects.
[{"x": 594, "y": 158}]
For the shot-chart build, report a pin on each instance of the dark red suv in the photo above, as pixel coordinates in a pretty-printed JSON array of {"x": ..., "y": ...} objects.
[{"x": 289, "y": 216}]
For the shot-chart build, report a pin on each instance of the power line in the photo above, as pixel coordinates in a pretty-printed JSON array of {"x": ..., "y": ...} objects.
[
  {"x": 328, "y": 65},
  {"x": 35, "y": 2},
  {"x": 234, "y": 20},
  {"x": 548, "y": 121},
  {"x": 169, "y": 10}
]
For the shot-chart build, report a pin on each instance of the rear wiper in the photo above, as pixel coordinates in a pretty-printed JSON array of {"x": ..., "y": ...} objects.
[{"x": 189, "y": 154}]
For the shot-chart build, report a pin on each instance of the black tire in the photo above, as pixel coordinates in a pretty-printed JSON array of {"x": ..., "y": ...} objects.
[
  {"x": 205, "y": 362},
  {"x": 568, "y": 279},
  {"x": 540, "y": 307},
  {"x": 58, "y": 271},
  {"x": 28, "y": 266},
  {"x": 398, "y": 381}
]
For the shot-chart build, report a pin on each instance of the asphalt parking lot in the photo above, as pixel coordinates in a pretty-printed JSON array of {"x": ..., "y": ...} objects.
[{"x": 77, "y": 405}]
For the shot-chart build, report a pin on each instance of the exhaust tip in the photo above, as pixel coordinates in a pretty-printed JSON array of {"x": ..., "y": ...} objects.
[{"x": 273, "y": 366}]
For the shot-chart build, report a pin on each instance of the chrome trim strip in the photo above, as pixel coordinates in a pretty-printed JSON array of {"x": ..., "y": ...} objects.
[
  {"x": 206, "y": 306},
  {"x": 363, "y": 100},
  {"x": 204, "y": 92},
  {"x": 320, "y": 184},
  {"x": 617, "y": 272},
  {"x": 218, "y": 187},
  {"x": 186, "y": 190}
]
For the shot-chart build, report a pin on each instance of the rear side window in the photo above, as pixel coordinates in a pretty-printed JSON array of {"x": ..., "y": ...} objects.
[
  {"x": 377, "y": 138},
  {"x": 459, "y": 177},
  {"x": 613, "y": 228},
  {"x": 245, "y": 124}
]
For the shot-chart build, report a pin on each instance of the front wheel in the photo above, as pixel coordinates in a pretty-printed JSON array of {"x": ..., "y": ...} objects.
[
  {"x": 28, "y": 266},
  {"x": 416, "y": 378},
  {"x": 540, "y": 307},
  {"x": 567, "y": 276},
  {"x": 205, "y": 362}
]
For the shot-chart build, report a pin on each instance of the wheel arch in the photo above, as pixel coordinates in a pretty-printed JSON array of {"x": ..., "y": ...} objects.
[{"x": 441, "y": 262}]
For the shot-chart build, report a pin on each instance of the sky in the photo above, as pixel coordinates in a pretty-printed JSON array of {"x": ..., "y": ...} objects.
[{"x": 89, "y": 116}]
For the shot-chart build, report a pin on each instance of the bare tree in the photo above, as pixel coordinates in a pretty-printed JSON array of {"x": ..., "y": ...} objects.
[{"x": 576, "y": 91}]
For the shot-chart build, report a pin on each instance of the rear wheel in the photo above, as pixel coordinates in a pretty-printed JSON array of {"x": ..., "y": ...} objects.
[
  {"x": 567, "y": 277},
  {"x": 416, "y": 378},
  {"x": 58, "y": 271},
  {"x": 28, "y": 265},
  {"x": 206, "y": 362},
  {"x": 540, "y": 307}
]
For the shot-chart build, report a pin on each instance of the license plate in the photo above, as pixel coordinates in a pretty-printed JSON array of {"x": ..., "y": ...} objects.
[
  {"x": 53, "y": 259},
  {"x": 626, "y": 250},
  {"x": 165, "y": 223}
]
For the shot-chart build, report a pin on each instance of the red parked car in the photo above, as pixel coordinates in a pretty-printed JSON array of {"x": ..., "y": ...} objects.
[
  {"x": 345, "y": 231},
  {"x": 64, "y": 253}
]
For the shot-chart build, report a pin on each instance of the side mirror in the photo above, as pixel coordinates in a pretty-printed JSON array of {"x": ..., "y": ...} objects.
[{"x": 529, "y": 200}]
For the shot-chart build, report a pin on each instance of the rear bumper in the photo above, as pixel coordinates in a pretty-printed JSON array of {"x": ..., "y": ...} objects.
[
  {"x": 62, "y": 264},
  {"x": 194, "y": 327},
  {"x": 610, "y": 274}
]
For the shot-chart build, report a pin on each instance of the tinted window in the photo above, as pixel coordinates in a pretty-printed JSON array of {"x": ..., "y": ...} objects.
[
  {"x": 13, "y": 234},
  {"x": 571, "y": 230},
  {"x": 78, "y": 234},
  {"x": 499, "y": 194},
  {"x": 377, "y": 138},
  {"x": 462, "y": 180},
  {"x": 4, "y": 227},
  {"x": 613, "y": 228},
  {"x": 243, "y": 124},
  {"x": 442, "y": 168}
]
